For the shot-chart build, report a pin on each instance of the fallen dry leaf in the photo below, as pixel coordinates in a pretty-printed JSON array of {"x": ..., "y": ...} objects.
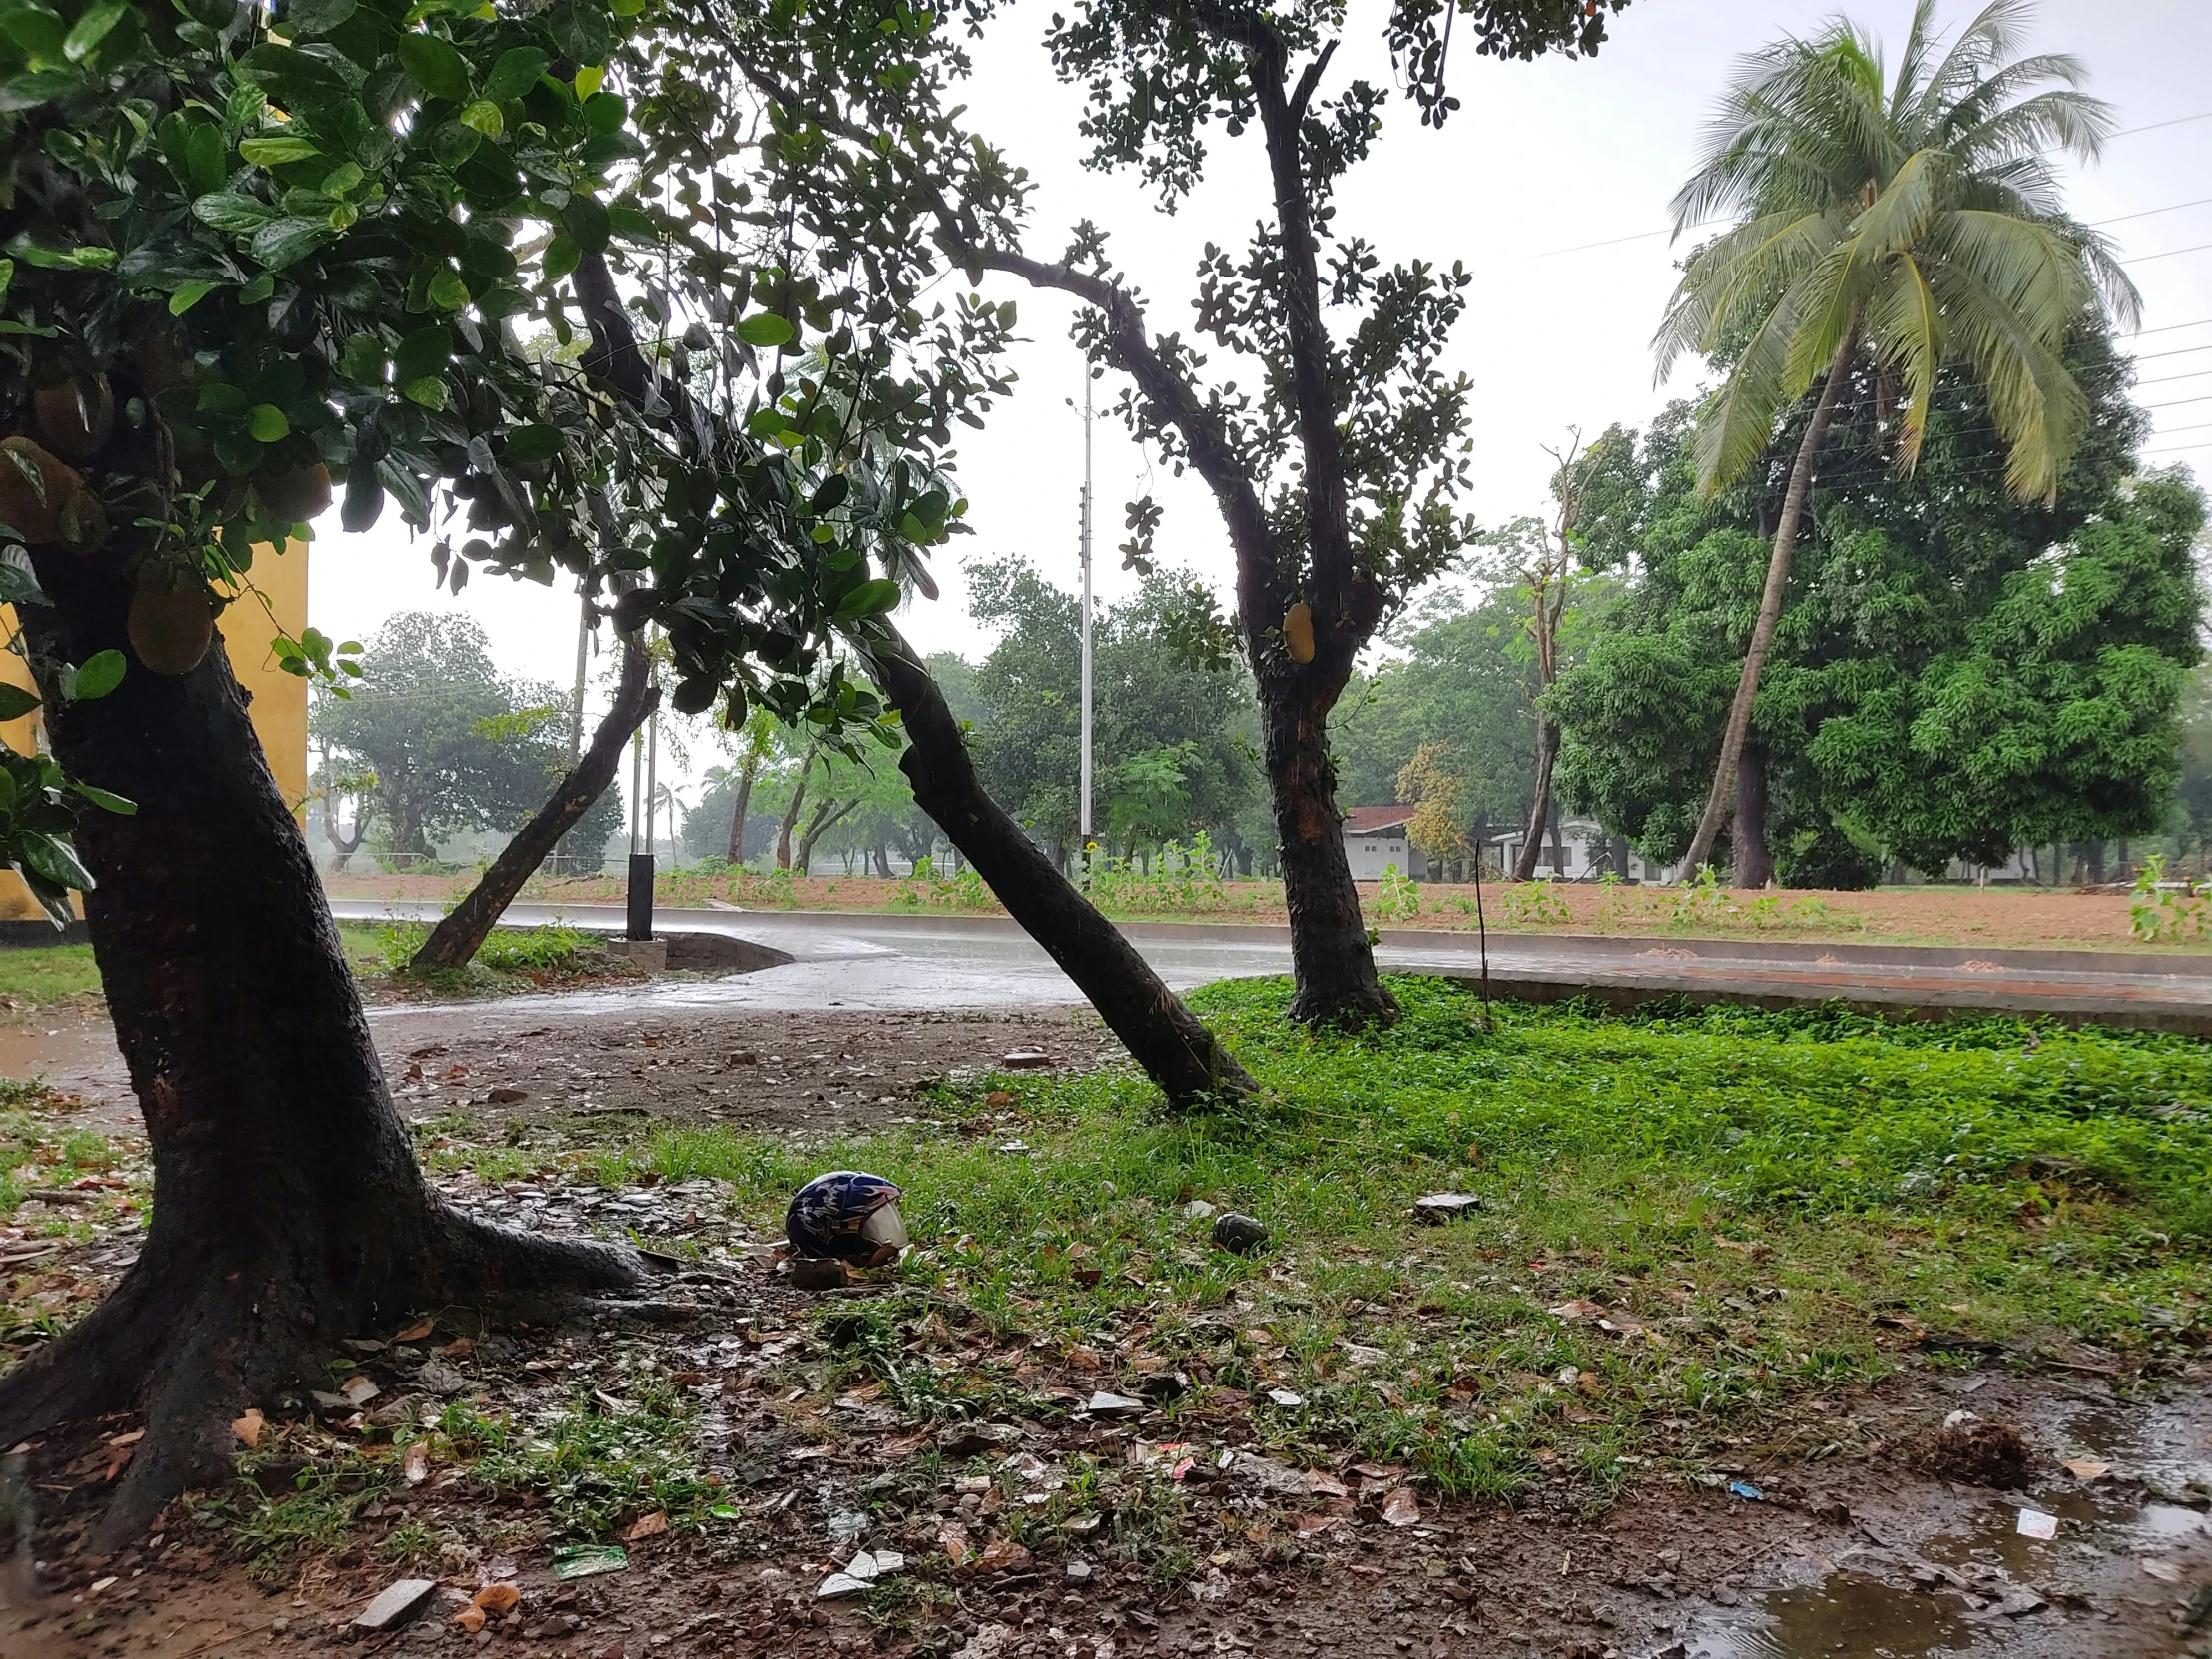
[
  {"x": 503, "y": 1598},
  {"x": 248, "y": 1428},
  {"x": 417, "y": 1331},
  {"x": 647, "y": 1527},
  {"x": 1578, "y": 1309},
  {"x": 953, "y": 1539},
  {"x": 415, "y": 1465},
  {"x": 2087, "y": 1468},
  {"x": 1004, "y": 1556},
  {"x": 470, "y": 1618},
  {"x": 1401, "y": 1509}
]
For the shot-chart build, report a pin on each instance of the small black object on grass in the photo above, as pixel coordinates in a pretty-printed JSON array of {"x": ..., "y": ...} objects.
[{"x": 1239, "y": 1234}]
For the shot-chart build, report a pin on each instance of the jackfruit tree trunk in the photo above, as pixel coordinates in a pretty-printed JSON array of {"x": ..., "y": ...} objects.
[
  {"x": 1162, "y": 1035},
  {"x": 289, "y": 1211},
  {"x": 454, "y": 944},
  {"x": 1329, "y": 954},
  {"x": 733, "y": 855}
]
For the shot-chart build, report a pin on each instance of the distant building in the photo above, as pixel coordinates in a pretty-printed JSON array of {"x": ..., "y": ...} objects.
[
  {"x": 1376, "y": 840},
  {"x": 1586, "y": 853}
]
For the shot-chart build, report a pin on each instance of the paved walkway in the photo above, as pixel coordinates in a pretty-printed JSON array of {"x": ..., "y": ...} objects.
[{"x": 941, "y": 961}]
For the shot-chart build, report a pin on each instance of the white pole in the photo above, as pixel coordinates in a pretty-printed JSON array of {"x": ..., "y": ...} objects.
[{"x": 1086, "y": 815}]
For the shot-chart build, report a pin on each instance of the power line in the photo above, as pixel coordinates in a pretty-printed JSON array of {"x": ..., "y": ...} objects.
[
  {"x": 2179, "y": 401},
  {"x": 2169, "y": 380},
  {"x": 2203, "y": 426},
  {"x": 2171, "y": 252},
  {"x": 2171, "y": 328},
  {"x": 1646, "y": 236},
  {"x": 2177, "y": 352}
]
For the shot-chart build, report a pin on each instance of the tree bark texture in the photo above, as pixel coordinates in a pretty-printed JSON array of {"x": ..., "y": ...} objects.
[
  {"x": 791, "y": 813},
  {"x": 733, "y": 855},
  {"x": 1770, "y": 608},
  {"x": 1754, "y": 862},
  {"x": 1162, "y": 1035},
  {"x": 288, "y": 1210},
  {"x": 454, "y": 944},
  {"x": 825, "y": 814},
  {"x": 1331, "y": 959},
  {"x": 1539, "y": 811}
]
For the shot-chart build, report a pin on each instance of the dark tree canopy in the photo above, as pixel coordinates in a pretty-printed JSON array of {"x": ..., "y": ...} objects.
[{"x": 1956, "y": 673}]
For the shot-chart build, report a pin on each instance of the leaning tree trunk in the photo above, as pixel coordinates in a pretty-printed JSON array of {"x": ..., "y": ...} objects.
[
  {"x": 1539, "y": 812},
  {"x": 827, "y": 814},
  {"x": 454, "y": 944},
  {"x": 791, "y": 813},
  {"x": 288, "y": 1210},
  {"x": 1754, "y": 859},
  {"x": 1770, "y": 609},
  {"x": 733, "y": 853},
  {"x": 1329, "y": 954},
  {"x": 1162, "y": 1035}
]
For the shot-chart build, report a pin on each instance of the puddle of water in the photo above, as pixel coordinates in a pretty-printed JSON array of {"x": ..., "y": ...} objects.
[{"x": 1850, "y": 1613}]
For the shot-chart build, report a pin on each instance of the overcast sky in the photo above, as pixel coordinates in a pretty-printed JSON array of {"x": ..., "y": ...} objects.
[{"x": 1541, "y": 161}]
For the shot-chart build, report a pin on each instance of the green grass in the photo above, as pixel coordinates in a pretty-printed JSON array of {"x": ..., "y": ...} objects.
[
  {"x": 512, "y": 960},
  {"x": 1754, "y": 1191}
]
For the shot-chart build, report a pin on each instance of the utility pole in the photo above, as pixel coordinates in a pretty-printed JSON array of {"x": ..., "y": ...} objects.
[
  {"x": 583, "y": 656},
  {"x": 1086, "y": 716}
]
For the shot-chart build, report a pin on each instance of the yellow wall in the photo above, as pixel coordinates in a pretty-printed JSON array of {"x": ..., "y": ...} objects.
[{"x": 280, "y": 699}]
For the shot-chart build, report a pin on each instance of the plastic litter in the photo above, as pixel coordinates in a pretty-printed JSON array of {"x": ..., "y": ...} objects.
[
  {"x": 2033, "y": 1523},
  {"x": 589, "y": 1560},
  {"x": 1745, "y": 1489}
]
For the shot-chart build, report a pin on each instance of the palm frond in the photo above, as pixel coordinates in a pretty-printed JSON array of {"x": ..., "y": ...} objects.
[
  {"x": 2034, "y": 267},
  {"x": 2036, "y": 404},
  {"x": 1738, "y": 276},
  {"x": 1921, "y": 40},
  {"x": 2071, "y": 123},
  {"x": 1735, "y": 425},
  {"x": 1828, "y": 306},
  {"x": 1901, "y": 214},
  {"x": 1905, "y": 330}
]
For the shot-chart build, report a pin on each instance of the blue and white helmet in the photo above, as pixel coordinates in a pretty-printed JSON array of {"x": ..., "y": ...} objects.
[{"x": 846, "y": 1214}]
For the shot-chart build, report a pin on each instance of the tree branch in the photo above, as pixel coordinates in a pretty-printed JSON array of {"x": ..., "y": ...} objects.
[{"x": 1178, "y": 402}]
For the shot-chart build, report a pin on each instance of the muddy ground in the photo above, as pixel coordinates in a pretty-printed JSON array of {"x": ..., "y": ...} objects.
[
  {"x": 745, "y": 1068},
  {"x": 1237, "y": 1547},
  {"x": 1821, "y": 1531}
]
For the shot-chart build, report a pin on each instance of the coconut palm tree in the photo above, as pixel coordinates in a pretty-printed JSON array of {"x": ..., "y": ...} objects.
[{"x": 1908, "y": 221}]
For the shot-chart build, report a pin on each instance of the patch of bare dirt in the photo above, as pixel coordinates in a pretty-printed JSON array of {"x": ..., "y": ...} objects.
[{"x": 1195, "y": 1533}]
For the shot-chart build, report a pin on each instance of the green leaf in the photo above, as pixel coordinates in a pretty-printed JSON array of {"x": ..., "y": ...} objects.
[
  {"x": 764, "y": 329},
  {"x": 834, "y": 489},
  {"x": 484, "y": 117},
  {"x": 53, "y": 858},
  {"x": 515, "y": 73},
  {"x": 604, "y": 112},
  {"x": 268, "y": 423},
  {"x": 319, "y": 17},
  {"x": 285, "y": 241},
  {"x": 204, "y": 157},
  {"x": 15, "y": 702},
  {"x": 275, "y": 149},
  {"x": 634, "y": 223},
  {"x": 435, "y": 66},
  {"x": 428, "y": 391},
  {"x": 98, "y": 674},
  {"x": 362, "y": 359},
  {"x": 532, "y": 444},
  {"x": 562, "y": 255},
  {"x": 447, "y": 292},
  {"x": 92, "y": 28},
  {"x": 108, "y": 798},
  {"x": 229, "y": 210},
  {"x": 868, "y": 599},
  {"x": 188, "y": 294},
  {"x": 424, "y": 353}
]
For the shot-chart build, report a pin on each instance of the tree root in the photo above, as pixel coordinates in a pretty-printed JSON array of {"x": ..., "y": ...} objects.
[{"x": 192, "y": 1343}]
